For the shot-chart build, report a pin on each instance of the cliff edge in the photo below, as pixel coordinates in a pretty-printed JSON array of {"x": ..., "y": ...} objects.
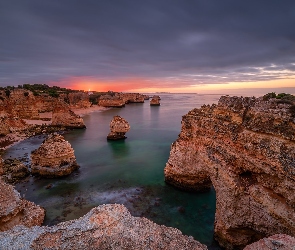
[{"x": 245, "y": 148}]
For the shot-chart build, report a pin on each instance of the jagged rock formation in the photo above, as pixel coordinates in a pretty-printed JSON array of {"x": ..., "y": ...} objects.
[
  {"x": 130, "y": 97},
  {"x": 1, "y": 166},
  {"x": 104, "y": 227},
  {"x": 76, "y": 99},
  {"x": 54, "y": 158},
  {"x": 245, "y": 147},
  {"x": 275, "y": 242},
  {"x": 13, "y": 170},
  {"x": 10, "y": 124},
  {"x": 111, "y": 101},
  {"x": 16, "y": 211},
  {"x": 119, "y": 126},
  {"x": 155, "y": 101},
  {"x": 62, "y": 115}
]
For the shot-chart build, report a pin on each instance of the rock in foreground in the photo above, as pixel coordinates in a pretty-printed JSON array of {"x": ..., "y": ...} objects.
[
  {"x": 245, "y": 147},
  {"x": 54, "y": 158},
  {"x": 16, "y": 211},
  {"x": 104, "y": 227},
  {"x": 277, "y": 242},
  {"x": 119, "y": 126}
]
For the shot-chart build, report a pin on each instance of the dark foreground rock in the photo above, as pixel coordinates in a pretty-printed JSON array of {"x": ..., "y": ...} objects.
[
  {"x": 13, "y": 170},
  {"x": 275, "y": 242},
  {"x": 54, "y": 158},
  {"x": 16, "y": 211},
  {"x": 104, "y": 227}
]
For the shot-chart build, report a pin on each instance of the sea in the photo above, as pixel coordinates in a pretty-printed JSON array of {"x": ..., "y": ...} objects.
[{"x": 129, "y": 172}]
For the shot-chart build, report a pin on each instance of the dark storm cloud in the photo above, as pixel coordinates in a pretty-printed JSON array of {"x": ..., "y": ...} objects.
[{"x": 191, "y": 42}]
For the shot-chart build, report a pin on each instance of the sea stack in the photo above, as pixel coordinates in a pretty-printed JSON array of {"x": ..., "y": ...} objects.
[
  {"x": 155, "y": 101},
  {"x": 62, "y": 115},
  {"x": 119, "y": 127},
  {"x": 16, "y": 211},
  {"x": 245, "y": 148},
  {"x": 54, "y": 158}
]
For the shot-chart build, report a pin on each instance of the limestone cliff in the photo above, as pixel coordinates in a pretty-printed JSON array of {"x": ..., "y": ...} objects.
[
  {"x": 54, "y": 158},
  {"x": 119, "y": 127},
  {"x": 9, "y": 124},
  {"x": 131, "y": 97},
  {"x": 62, "y": 115},
  {"x": 111, "y": 101},
  {"x": 245, "y": 147},
  {"x": 104, "y": 227},
  {"x": 16, "y": 211}
]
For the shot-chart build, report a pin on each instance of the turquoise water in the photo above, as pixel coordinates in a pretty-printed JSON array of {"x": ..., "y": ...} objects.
[{"x": 128, "y": 172}]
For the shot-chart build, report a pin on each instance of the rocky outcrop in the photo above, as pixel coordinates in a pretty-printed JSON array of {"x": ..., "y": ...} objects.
[
  {"x": 104, "y": 227},
  {"x": 155, "y": 101},
  {"x": 130, "y": 97},
  {"x": 111, "y": 101},
  {"x": 9, "y": 124},
  {"x": 76, "y": 99},
  {"x": 277, "y": 242},
  {"x": 1, "y": 166},
  {"x": 14, "y": 170},
  {"x": 119, "y": 126},
  {"x": 245, "y": 147},
  {"x": 16, "y": 211},
  {"x": 54, "y": 158},
  {"x": 62, "y": 115},
  {"x": 146, "y": 97}
]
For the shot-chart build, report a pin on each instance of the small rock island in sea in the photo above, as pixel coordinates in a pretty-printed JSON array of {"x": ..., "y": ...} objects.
[
  {"x": 54, "y": 158},
  {"x": 155, "y": 101},
  {"x": 119, "y": 127}
]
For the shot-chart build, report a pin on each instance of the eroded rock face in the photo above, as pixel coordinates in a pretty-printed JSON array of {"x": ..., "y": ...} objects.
[
  {"x": 62, "y": 115},
  {"x": 14, "y": 170},
  {"x": 16, "y": 211},
  {"x": 104, "y": 227},
  {"x": 54, "y": 158},
  {"x": 9, "y": 124},
  {"x": 130, "y": 97},
  {"x": 111, "y": 101},
  {"x": 119, "y": 126},
  {"x": 245, "y": 147},
  {"x": 277, "y": 242},
  {"x": 155, "y": 102}
]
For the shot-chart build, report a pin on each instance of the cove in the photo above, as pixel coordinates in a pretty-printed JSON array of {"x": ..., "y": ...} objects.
[{"x": 128, "y": 172}]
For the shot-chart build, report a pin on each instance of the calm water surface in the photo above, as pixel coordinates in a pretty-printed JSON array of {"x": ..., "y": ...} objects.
[{"x": 128, "y": 172}]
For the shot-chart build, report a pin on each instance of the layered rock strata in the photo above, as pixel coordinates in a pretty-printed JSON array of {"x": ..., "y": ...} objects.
[
  {"x": 9, "y": 124},
  {"x": 245, "y": 147},
  {"x": 130, "y": 97},
  {"x": 119, "y": 127},
  {"x": 54, "y": 158},
  {"x": 16, "y": 211},
  {"x": 14, "y": 170},
  {"x": 62, "y": 115},
  {"x": 104, "y": 227},
  {"x": 111, "y": 101}
]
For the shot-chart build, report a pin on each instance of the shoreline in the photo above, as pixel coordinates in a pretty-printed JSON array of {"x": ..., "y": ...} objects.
[{"x": 15, "y": 137}]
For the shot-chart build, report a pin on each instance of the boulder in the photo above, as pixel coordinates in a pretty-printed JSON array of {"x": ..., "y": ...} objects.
[
  {"x": 16, "y": 211},
  {"x": 119, "y": 126},
  {"x": 62, "y": 115},
  {"x": 54, "y": 158},
  {"x": 245, "y": 148},
  {"x": 14, "y": 170},
  {"x": 277, "y": 242},
  {"x": 104, "y": 227}
]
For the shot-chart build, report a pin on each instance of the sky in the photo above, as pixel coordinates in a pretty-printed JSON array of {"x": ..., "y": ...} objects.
[{"x": 198, "y": 46}]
